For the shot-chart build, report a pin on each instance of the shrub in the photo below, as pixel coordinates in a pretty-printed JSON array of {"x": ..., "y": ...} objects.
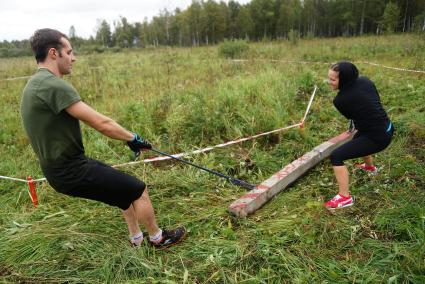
[
  {"x": 293, "y": 36},
  {"x": 233, "y": 49},
  {"x": 14, "y": 52},
  {"x": 116, "y": 49}
]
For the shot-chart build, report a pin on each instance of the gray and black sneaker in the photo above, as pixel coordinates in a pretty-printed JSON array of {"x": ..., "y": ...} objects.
[{"x": 170, "y": 238}]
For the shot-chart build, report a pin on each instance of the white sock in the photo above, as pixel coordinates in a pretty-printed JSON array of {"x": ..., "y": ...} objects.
[
  {"x": 137, "y": 239},
  {"x": 157, "y": 237}
]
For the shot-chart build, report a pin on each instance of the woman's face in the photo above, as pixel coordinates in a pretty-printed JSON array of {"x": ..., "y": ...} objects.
[{"x": 333, "y": 79}]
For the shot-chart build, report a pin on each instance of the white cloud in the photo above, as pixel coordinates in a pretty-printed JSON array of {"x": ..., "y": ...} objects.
[{"x": 20, "y": 18}]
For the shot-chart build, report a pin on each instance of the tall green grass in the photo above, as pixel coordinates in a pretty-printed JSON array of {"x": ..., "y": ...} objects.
[{"x": 185, "y": 99}]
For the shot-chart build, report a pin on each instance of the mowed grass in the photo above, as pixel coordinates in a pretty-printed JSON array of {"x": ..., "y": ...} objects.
[{"x": 185, "y": 99}]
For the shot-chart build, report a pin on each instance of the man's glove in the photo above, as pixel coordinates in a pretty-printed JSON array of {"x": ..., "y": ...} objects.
[
  {"x": 351, "y": 126},
  {"x": 138, "y": 144}
]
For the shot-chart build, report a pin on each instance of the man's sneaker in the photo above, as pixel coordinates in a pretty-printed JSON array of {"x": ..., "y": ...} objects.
[
  {"x": 369, "y": 169},
  {"x": 339, "y": 202},
  {"x": 170, "y": 238}
]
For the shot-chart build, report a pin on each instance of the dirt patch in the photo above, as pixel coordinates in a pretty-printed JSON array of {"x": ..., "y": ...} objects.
[
  {"x": 4, "y": 270},
  {"x": 416, "y": 145}
]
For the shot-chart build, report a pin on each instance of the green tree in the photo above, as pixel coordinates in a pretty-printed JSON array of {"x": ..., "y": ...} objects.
[
  {"x": 124, "y": 33},
  {"x": 72, "y": 34},
  {"x": 103, "y": 34},
  {"x": 194, "y": 21},
  {"x": 244, "y": 23},
  {"x": 289, "y": 17},
  {"x": 390, "y": 18},
  {"x": 182, "y": 26},
  {"x": 213, "y": 22},
  {"x": 263, "y": 16},
  {"x": 419, "y": 23},
  {"x": 76, "y": 41},
  {"x": 144, "y": 33},
  {"x": 232, "y": 29}
]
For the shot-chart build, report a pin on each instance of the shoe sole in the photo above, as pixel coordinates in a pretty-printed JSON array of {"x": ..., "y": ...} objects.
[{"x": 341, "y": 207}]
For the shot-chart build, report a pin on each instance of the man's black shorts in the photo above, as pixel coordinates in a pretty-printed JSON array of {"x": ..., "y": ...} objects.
[{"x": 95, "y": 180}]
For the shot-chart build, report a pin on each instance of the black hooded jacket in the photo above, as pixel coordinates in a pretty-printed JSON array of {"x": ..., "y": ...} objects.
[{"x": 359, "y": 100}]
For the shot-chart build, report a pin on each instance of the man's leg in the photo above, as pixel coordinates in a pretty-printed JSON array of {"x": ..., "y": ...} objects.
[
  {"x": 141, "y": 210},
  {"x": 131, "y": 220},
  {"x": 144, "y": 213}
]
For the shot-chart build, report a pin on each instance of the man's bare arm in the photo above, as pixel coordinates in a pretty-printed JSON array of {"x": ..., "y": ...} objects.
[{"x": 98, "y": 121}]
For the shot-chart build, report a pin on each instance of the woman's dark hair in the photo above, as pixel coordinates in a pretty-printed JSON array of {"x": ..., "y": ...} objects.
[
  {"x": 44, "y": 39},
  {"x": 347, "y": 73},
  {"x": 335, "y": 67}
]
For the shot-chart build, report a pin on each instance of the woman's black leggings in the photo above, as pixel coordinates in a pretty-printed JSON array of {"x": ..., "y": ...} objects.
[{"x": 360, "y": 146}]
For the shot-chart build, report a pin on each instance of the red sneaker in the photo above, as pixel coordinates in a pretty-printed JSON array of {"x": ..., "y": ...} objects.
[
  {"x": 369, "y": 169},
  {"x": 339, "y": 202}
]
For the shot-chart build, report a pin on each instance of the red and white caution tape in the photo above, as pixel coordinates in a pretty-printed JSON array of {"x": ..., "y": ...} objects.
[
  {"x": 156, "y": 159},
  {"x": 209, "y": 148},
  {"x": 32, "y": 187}
]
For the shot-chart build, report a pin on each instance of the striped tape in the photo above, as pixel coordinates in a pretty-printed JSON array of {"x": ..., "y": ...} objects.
[{"x": 222, "y": 145}]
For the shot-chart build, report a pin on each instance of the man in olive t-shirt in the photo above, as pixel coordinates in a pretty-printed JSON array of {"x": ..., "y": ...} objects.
[
  {"x": 51, "y": 110},
  {"x": 54, "y": 134}
]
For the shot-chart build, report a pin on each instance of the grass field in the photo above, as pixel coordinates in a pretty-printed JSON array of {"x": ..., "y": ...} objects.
[{"x": 183, "y": 99}]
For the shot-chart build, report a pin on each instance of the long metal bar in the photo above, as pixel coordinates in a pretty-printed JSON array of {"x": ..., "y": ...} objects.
[{"x": 233, "y": 180}]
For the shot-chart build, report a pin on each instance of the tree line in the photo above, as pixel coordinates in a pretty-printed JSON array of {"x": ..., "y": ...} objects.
[{"x": 210, "y": 22}]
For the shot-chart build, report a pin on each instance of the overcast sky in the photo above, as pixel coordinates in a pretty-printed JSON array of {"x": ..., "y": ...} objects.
[{"x": 20, "y": 18}]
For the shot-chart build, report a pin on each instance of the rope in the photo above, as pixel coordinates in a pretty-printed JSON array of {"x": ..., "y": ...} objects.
[
  {"x": 328, "y": 63},
  {"x": 26, "y": 77},
  {"x": 271, "y": 60},
  {"x": 309, "y": 105},
  {"x": 14, "y": 179},
  {"x": 16, "y": 78},
  {"x": 394, "y": 68}
]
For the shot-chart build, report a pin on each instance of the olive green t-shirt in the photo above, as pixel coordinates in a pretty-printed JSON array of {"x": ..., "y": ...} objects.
[{"x": 54, "y": 135}]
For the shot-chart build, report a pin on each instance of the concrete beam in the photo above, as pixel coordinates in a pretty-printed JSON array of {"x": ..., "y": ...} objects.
[{"x": 254, "y": 199}]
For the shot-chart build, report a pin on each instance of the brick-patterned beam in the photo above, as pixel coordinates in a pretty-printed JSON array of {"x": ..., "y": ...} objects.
[{"x": 254, "y": 199}]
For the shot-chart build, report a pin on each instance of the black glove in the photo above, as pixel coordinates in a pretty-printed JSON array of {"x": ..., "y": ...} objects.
[
  {"x": 138, "y": 144},
  {"x": 351, "y": 126}
]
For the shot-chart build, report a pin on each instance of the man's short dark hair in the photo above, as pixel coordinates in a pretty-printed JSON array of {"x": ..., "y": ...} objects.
[{"x": 44, "y": 39}]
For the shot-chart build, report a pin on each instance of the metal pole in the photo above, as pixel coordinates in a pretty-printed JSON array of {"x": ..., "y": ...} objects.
[{"x": 233, "y": 180}]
